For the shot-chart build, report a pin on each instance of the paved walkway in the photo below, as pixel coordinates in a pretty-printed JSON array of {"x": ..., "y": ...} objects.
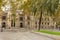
[
  {"x": 55, "y": 37},
  {"x": 21, "y": 36}
]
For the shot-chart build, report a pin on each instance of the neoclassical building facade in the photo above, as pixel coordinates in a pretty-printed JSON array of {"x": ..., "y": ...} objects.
[
  {"x": 48, "y": 23},
  {"x": 8, "y": 20},
  {"x": 21, "y": 20}
]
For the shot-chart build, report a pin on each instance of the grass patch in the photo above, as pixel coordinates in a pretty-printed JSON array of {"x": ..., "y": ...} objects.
[{"x": 49, "y": 32}]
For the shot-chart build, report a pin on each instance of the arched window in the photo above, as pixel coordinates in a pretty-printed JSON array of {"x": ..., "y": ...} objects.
[
  {"x": 3, "y": 25},
  {"x": 21, "y": 25}
]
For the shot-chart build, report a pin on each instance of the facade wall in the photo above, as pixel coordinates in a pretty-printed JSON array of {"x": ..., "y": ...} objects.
[
  {"x": 48, "y": 23},
  {"x": 28, "y": 21}
]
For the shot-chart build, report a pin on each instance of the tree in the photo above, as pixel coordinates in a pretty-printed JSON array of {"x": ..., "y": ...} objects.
[
  {"x": 33, "y": 6},
  {"x": 50, "y": 5},
  {"x": 15, "y": 5},
  {"x": 40, "y": 8},
  {"x": 2, "y": 3}
]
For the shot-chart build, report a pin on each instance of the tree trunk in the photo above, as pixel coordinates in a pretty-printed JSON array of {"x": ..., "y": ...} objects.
[{"x": 40, "y": 20}]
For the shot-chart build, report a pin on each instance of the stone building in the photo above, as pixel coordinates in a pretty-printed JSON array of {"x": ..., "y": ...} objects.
[
  {"x": 21, "y": 20},
  {"x": 57, "y": 18},
  {"x": 7, "y": 20},
  {"x": 47, "y": 23}
]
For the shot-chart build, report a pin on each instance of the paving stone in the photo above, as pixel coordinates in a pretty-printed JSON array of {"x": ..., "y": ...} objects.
[{"x": 21, "y": 36}]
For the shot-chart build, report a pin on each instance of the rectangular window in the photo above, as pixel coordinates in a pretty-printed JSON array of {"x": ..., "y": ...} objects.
[
  {"x": 48, "y": 23},
  {"x": 28, "y": 23},
  {"x": 45, "y": 23},
  {"x": 11, "y": 23},
  {"x": 28, "y": 18},
  {"x": 21, "y": 18},
  {"x": 41, "y": 23},
  {"x": 3, "y": 17}
]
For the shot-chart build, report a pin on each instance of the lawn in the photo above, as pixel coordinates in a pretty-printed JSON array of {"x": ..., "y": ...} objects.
[{"x": 49, "y": 32}]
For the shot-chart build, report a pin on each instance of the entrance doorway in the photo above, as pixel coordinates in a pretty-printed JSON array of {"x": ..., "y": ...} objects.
[
  {"x": 3, "y": 25},
  {"x": 21, "y": 25}
]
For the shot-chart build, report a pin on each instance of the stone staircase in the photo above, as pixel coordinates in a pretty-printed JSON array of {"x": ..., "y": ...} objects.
[
  {"x": 23, "y": 30},
  {"x": 10, "y": 30},
  {"x": 15, "y": 30}
]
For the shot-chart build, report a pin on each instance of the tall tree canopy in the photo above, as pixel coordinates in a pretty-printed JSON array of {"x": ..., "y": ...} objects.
[{"x": 32, "y": 6}]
